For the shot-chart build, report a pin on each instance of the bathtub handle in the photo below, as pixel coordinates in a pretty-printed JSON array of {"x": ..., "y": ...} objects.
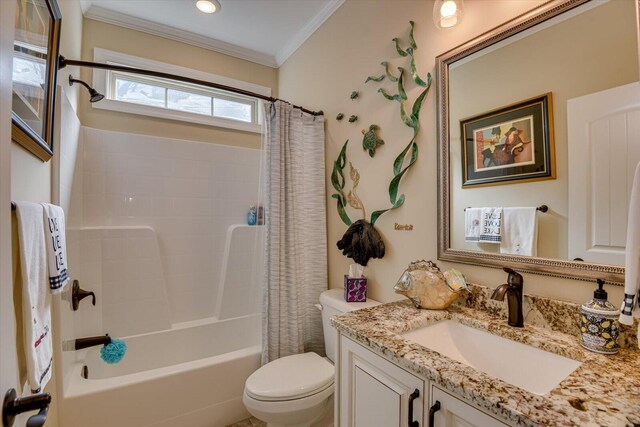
[
  {"x": 39, "y": 419},
  {"x": 78, "y": 294},
  {"x": 14, "y": 405}
]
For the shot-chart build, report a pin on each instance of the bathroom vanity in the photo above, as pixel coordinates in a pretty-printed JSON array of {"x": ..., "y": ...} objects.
[{"x": 400, "y": 366}]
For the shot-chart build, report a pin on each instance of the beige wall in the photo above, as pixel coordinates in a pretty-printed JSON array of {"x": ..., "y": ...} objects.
[
  {"x": 106, "y": 36},
  {"x": 530, "y": 67},
  {"x": 335, "y": 61},
  {"x": 70, "y": 45}
]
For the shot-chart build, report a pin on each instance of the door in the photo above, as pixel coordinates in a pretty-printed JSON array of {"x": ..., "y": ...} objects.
[
  {"x": 375, "y": 392},
  {"x": 8, "y": 364},
  {"x": 604, "y": 142},
  {"x": 449, "y": 411}
]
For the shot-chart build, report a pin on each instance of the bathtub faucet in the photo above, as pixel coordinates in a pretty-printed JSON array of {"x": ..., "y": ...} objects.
[{"x": 92, "y": 341}]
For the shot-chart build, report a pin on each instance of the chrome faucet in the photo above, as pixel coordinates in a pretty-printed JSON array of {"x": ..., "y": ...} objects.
[{"x": 513, "y": 290}]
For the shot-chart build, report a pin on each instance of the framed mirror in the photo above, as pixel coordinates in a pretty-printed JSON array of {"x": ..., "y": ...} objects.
[
  {"x": 35, "y": 66},
  {"x": 539, "y": 113}
]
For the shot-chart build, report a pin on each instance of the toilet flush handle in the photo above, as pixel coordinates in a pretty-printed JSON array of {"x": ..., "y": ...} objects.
[{"x": 318, "y": 306}]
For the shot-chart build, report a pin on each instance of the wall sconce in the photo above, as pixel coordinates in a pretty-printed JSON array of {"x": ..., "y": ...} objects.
[{"x": 447, "y": 13}]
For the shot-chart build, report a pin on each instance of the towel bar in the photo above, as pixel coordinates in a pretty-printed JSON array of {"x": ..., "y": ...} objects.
[{"x": 541, "y": 208}]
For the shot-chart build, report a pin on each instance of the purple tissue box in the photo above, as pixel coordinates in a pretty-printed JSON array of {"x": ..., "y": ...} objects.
[{"x": 355, "y": 289}]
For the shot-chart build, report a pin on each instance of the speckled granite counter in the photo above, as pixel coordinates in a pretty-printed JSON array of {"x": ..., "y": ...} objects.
[{"x": 603, "y": 391}]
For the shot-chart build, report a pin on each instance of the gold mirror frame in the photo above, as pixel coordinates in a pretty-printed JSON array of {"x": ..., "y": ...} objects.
[
  {"x": 41, "y": 146},
  {"x": 545, "y": 266}
]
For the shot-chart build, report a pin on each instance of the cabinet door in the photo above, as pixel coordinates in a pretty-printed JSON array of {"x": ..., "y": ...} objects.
[
  {"x": 375, "y": 392},
  {"x": 454, "y": 412}
]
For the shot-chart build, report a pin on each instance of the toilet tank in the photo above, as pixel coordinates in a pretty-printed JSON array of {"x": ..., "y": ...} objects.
[{"x": 332, "y": 303}]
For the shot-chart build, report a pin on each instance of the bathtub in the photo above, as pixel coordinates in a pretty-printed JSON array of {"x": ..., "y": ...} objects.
[{"x": 191, "y": 375}]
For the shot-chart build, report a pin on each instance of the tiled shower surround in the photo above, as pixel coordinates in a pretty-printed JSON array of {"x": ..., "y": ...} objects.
[{"x": 184, "y": 195}]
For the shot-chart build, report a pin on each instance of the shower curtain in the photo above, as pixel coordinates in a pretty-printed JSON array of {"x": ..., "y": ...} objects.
[{"x": 295, "y": 236}]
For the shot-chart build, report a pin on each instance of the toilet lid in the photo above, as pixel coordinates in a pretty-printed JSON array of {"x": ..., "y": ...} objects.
[{"x": 290, "y": 377}]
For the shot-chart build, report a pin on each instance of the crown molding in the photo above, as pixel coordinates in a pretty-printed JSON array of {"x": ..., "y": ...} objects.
[
  {"x": 298, "y": 39},
  {"x": 171, "y": 33}
]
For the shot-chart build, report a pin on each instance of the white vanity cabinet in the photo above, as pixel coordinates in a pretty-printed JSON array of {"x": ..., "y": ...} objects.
[
  {"x": 449, "y": 411},
  {"x": 373, "y": 392}
]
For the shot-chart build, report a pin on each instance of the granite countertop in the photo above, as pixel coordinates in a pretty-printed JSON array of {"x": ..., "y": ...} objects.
[{"x": 603, "y": 391}]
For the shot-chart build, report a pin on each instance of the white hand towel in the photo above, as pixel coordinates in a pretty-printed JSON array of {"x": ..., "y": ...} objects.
[
  {"x": 491, "y": 225},
  {"x": 630, "y": 308},
  {"x": 56, "y": 247},
  {"x": 36, "y": 299},
  {"x": 472, "y": 220},
  {"x": 519, "y": 231}
]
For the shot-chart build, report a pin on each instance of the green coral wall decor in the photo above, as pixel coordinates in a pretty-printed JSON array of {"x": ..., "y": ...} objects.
[{"x": 361, "y": 229}]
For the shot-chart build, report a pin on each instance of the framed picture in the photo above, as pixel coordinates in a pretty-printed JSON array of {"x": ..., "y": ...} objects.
[
  {"x": 509, "y": 145},
  {"x": 35, "y": 65}
]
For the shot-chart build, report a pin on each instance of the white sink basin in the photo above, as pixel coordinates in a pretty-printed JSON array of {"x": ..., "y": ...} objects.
[{"x": 529, "y": 368}]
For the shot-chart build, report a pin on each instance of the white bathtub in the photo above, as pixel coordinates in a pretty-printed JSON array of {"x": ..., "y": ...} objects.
[{"x": 189, "y": 376}]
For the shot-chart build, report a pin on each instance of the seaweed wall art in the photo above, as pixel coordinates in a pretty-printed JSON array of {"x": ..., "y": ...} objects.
[{"x": 361, "y": 242}]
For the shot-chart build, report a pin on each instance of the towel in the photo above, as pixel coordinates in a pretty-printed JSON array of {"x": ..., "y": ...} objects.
[
  {"x": 630, "y": 308},
  {"x": 36, "y": 299},
  {"x": 491, "y": 225},
  {"x": 519, "y": 231},
  {"x": 56, "y": 247},
  {"x": 472, "y": 219}
]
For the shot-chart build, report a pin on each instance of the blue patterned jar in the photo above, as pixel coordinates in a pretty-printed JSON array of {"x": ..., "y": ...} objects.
[{"x": 599, "y": 323}]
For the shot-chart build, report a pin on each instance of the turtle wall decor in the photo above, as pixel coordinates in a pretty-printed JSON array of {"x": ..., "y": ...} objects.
[
  {"x": 371, "y": 139},
  {"x": 362, "y": 241}
]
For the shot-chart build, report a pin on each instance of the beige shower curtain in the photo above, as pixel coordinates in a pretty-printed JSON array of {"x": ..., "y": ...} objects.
[{"x": 295, "y": 236}]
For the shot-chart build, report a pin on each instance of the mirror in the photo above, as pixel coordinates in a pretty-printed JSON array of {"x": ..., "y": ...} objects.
[
  {"x": 534, "y": 113},
  {"x": 35, "y": 65}
]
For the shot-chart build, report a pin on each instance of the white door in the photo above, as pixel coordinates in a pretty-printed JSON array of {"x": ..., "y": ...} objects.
[
  {"x": 449, "y": 411},
  {"x": 375, "y": 392},
  {"x": 604, "y": 147},
  {"x": 8, "y": 364}
]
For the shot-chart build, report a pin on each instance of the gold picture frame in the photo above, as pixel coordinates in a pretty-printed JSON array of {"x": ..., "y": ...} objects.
[{"x": 509, "y": 145}]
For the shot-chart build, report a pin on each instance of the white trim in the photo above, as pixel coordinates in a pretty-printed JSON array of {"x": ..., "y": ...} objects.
[
  {"x": 100, "y": 84},
  {"x": 298, "y": 39},
  {"x": 120, "y": 19},
  {"x": 104, "y": 56},
  {"x": 8, "y": 343}
]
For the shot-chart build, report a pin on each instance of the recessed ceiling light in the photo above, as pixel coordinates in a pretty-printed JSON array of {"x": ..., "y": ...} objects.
[{"x": 208, "y": 6}]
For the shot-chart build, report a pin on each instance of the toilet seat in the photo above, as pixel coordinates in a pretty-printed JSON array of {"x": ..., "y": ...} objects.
[{"x": 290, "y": 378}]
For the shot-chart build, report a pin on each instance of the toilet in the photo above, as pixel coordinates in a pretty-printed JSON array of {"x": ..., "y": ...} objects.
[{"x": 297, "y": 390}]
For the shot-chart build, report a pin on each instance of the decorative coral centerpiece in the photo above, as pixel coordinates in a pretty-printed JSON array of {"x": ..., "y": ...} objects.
[{"x": 427, "y": 287}]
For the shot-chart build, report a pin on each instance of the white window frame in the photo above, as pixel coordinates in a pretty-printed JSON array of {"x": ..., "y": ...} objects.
[{"x": 102, "y": 80}]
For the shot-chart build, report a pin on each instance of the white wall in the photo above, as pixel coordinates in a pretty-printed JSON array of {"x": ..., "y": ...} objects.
[{"x": 188, "y": 192}]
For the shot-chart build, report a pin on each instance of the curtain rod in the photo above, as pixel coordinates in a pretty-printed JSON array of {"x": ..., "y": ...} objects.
[{"x": 63, "y": 62}]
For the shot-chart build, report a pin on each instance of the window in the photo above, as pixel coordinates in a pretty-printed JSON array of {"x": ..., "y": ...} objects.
[
  {"x": 174, "y": 95},
  {"x": 171, "y": 99}
]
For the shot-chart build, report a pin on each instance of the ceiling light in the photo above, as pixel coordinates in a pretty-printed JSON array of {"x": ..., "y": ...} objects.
[
  {"x": 447, "y": 13},
  {"x": 208, "y": 6}
]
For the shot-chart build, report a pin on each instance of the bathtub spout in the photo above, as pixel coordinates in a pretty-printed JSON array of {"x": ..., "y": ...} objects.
[{"x": 92, "y": 341}]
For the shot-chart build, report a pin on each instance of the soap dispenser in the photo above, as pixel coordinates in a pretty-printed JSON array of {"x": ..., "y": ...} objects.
[{"x": 599, "y": 323}]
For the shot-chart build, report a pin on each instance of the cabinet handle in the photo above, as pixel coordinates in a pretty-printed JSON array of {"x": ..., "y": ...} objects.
[
  {"x": 413, "y": 396},
  {"x": 432, "y": 413}
]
